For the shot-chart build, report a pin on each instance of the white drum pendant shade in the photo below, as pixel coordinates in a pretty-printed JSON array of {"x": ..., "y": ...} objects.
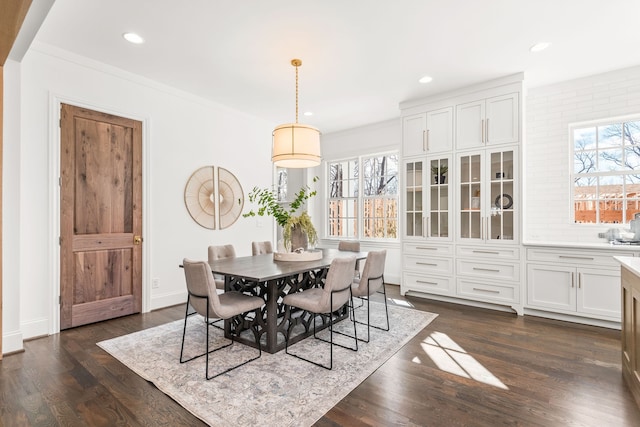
[{"x": 296, "y": 146}]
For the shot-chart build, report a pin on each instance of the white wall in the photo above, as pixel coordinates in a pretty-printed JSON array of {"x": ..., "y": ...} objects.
[
  {"x": 549, "y": 112},
  {"x": 181, "y": 133},
  {"x": 11, "y": 334},
  {"x": 375, "y": 138}
]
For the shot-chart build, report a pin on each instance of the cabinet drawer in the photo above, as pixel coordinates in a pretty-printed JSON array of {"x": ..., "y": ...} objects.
[
  {"x": 571, "y": 257},
  {"x": 427, "y": 283},
  {"x": 492, "y": 270},
  {"x": 428, "y": 264},
  {"x": 488, "y": 291},
  {"x": 493, "y": 253},
  {"x": 427, "y": 249}
]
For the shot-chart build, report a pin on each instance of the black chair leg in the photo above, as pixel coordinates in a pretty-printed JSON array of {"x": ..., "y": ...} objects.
[
  {"x": 208, "y": 323},
  {"x": 386, "y": 309},
  {"x": 331, "y": 332}
]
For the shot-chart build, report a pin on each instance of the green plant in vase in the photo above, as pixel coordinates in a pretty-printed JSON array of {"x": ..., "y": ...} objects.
[
  {"x": 297, "y": 230},
  {"x": 439, "y": 173}
]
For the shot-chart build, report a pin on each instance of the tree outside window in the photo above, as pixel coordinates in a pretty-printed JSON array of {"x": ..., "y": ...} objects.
[
  {"x": 606, "y": 172},
  {"x": 368, "y": 213}
]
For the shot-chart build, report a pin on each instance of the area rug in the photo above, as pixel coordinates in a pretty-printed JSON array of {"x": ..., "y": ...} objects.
[{"x": 275, "y": 390}]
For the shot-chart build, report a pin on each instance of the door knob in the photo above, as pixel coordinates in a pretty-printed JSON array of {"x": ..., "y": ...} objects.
[{"x": 137, "y": 240}]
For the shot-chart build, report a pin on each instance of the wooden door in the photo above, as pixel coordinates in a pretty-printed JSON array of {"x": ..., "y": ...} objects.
[{"x": 101, "y": 216}]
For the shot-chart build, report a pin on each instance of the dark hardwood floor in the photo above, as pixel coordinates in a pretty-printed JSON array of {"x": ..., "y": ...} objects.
[{"x": 470, "y": 367}]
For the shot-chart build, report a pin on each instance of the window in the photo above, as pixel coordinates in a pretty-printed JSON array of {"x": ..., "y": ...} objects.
[
  {"x": 368, "y": 200},
  {"x": 606, "y": 172}
]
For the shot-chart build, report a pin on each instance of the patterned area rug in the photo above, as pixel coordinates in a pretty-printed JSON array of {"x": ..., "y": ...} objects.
[{"x": 276, "y": 389}]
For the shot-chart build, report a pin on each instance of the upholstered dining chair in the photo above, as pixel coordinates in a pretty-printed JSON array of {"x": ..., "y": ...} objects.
[
  {"x": 325, "y": 301},
  {"x": 351, "y": 246},
  {"x": 259, "y": 248},
  {"x": 369, "y": 283},
  {"x": 220, "y": 252},
  {"x": 204, "y": 299}
]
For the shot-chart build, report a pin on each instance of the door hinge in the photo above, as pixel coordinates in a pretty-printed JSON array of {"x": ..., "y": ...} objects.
[
  {"x": 59, "y": 181},
  {"x": 60, "y": 241},
  {"x": 60, "y": 299}
]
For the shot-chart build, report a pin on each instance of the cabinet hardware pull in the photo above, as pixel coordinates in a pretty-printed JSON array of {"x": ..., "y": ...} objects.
[
  {"x": 427, "y": 139},
  {"x": 426, "y": 263},
  {"x": 573, "y": 282},
  {"x": 486, "y": 290},
  {"x": 426, "y": 248},
  {"x": 493, "y": 270},
  {"x": 588, "y": 258},
  {"x": 579, "y": 280},
  {"x": 486, "y": 252},
  {"x": 424, "y": 225},
  {"x": 487, "y": 132},
  {"x": 425, "y": 282},
  {"x": 482, "y": 131},
  {"x": 424, "y": 137}
]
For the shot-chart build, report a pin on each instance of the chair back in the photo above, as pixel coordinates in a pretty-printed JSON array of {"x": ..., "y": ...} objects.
[
  {"x": 339, "y": 277},
  {"x": 259, "y": 248},
  {"x": 349, "y": 245},
  {"x": 373, "y": 272},
  {"x": 201, "y": 285},
  {"x": 220, "y": 252}
]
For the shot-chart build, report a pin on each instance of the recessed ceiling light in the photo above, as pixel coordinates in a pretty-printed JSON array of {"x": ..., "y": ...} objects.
[
  {"x": 425, "y": 79},
  {"x": 308, "y": 113},
  {"x": 539, "y": 47},
  {"x": 133, "y": 38}
]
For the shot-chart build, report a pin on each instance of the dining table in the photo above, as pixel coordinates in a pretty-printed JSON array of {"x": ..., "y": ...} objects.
[{"x": 272, "y": 280}]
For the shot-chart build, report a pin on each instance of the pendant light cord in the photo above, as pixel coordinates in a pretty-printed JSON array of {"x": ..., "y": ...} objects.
[{"x": 296, "y": 94}]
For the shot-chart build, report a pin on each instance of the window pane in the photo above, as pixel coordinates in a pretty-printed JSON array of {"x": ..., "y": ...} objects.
[
  {"x": 584, "y": 139},
  {"x": 610, "y": 136},
  {"x": 632, "y": 157},
  {"x": 611, "y": 199},
  {"x": 632, "y": 133},
  {"x": 584, "y": 161},
  {"x": 584, "y": 196},
  {"x": 609, "y": 160}
]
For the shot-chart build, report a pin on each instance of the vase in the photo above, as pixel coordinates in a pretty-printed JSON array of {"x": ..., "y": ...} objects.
[{"x": 299, "y": 239}]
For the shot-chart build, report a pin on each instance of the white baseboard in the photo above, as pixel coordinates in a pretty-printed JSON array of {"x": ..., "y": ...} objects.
[
  {"x": 35, "y": 328},
  {"x": 167, "y": 300},
  {"x": 12, "y": 342}
]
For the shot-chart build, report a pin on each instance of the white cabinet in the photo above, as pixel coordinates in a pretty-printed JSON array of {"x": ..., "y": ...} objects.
[
  {"x": 461, "y": 228},
  {"x": 574, "y": 282},
  {"x": 430, "y": 132},
  {"x": 574, "y": 290},
  {"x": 427, "y": 198},
  {"x": 488, "y": 198},
  {"x": 488, "y": 121},
  {"x": 428, "y": 268}
]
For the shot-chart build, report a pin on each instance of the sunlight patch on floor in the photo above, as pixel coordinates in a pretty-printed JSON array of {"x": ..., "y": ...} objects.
[
  {"x": 400, "y": 302},
  {"x": 452, "y": 358}
]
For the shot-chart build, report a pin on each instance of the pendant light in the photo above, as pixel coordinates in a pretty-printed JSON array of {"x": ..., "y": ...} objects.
[{"x": 296, "y": 145}]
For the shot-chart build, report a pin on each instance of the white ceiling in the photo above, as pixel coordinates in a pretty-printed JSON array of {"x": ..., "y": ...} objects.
[{"x": 361, "y": 58}]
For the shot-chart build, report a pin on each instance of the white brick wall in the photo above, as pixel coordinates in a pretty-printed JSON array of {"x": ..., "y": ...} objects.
[{"x": 549, "y": 110}]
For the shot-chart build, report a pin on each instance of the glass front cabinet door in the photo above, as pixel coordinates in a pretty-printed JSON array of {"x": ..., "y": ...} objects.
[
  {"x": 488, "y": 196},
  {"x": 428, "y": 204}
]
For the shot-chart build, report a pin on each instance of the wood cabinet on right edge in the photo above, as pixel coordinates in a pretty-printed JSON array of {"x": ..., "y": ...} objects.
[{"x": 630, "y": 285}]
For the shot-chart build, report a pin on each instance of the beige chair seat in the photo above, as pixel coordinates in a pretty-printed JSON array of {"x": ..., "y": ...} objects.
[
  {"x": 203, "y": 297},
  {"x": 335, "y": 294}
]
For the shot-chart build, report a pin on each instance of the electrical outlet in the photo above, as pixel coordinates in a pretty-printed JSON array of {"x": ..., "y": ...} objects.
[{"x": 155, "y": 283}]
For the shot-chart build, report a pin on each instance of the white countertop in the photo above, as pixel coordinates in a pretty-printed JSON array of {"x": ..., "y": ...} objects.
[
  {"x": 577, "y": 245},
  {"x": 632, "y": 263}
]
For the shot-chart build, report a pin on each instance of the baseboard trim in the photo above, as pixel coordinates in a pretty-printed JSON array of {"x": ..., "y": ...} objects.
[
  {"x": 167, "y": 300},
  {"x": 35, "y": 328},
  {"x": 12, "y": 342}
]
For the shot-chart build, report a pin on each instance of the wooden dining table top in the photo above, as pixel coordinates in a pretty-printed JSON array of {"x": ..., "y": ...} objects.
[{"x": 261, "y": 268}]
